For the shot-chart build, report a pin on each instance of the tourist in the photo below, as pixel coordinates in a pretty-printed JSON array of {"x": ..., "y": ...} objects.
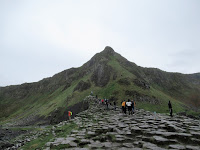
[
  {"x": 99, "y": 101},
  {"x": 124, "y": 106},
  {"x": 69, "y": 114},
  {"x": 170, "y": 108},
  {"x": 128, "y": 104},
  {"x": 102, "y": 101},
  {"x": 106, "y": 100},
  {"x": 114, "y": 103},
  {"x": 133, "y": 106},
  {"x": 154, "y": 115}
]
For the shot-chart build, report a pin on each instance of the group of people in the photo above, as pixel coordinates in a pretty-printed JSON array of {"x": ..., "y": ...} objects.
[
  {"x": 130, "y": 105},
  {"x": 107, "y": 103}
]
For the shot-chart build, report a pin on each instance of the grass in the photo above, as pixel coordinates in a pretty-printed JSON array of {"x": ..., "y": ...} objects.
[
  {"x": 66, "y": 129},
  {"x": 193, "y": 113},
  {"x": 118, "y": 68},
  {"x": 111, "y": 137},
  {"x": 40, "y": 142}
]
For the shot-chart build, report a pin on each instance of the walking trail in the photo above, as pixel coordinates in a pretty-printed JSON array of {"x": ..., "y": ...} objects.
[{"x": 110, "y": 129}]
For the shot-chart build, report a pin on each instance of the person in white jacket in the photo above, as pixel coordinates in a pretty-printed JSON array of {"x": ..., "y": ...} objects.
[{"x": 128, "y": 104}]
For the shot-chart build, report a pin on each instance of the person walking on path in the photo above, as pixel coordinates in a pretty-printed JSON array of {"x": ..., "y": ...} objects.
[
  {"x": 106, "y": 100},
  {"x": 128, "y": 104},
  {"x": 102, "y": 101},
  {"x": 170, "y": 108},
  {"x": 69, "y": 114},
  {"x": 114, "y": 103},
  {"x": 133, "y": 106},
  {"x": 124, "y": 106},
  {"x": 99, "y": 101}
]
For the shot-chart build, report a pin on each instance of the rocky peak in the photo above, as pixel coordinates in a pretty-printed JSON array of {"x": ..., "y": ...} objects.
[
  {"x": 100, "y": 58},
  {"x": 108, "y": 50}
]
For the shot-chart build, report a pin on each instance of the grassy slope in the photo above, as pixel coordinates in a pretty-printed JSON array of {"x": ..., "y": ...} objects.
[
  {"x": 44, "y": 104},
  {"x": 114, "y": 86}
]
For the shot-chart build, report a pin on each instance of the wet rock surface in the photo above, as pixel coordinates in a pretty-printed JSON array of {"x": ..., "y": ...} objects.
[{"x": 100, "y": 128}]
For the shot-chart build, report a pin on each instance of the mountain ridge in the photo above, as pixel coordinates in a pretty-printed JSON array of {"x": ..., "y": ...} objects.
[
  {"x": 107, "y": 50},
  {"x": 109, "y": 75}
]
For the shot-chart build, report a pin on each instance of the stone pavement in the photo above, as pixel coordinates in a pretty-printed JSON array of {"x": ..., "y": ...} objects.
[{"x": 100, "y": 128}]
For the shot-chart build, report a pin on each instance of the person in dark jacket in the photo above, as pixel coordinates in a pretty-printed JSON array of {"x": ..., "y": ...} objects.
[
  {"x": 114, "y": 103},
  {"x": 106, "y": 100},
  {"x": 133, "y": 106},
  {"x": 170, "y": 108}
]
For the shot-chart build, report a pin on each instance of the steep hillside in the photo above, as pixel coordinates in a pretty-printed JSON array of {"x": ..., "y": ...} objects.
[{"x": 108, "y": 75}]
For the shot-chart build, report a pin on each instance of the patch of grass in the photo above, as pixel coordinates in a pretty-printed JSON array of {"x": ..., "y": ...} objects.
[
  {"x": 111, "y": 137},
  {"x": 66, "y": 129},
  {"x": 40, "y": 142},
  {"x": 152, "y": 107},
  {"x": 118, "y": 68},
  {"x": 193, "y": 113},
  {"x": 23, "y": 128}
]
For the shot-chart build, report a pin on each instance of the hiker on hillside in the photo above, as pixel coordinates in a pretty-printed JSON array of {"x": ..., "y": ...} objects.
[
  {"x": 114, "y": 103},
  {"x": 133, "y": 106},
  {"x": 69, "y": 114},
  {"x": 128, "y": 104},
  {"x": 124, "y": 106},
  {"x": 170, "y": 108}
]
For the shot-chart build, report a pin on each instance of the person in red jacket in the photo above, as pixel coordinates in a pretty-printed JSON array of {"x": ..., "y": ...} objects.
[
  {"x": 69, "y": 114},
  {"x": 102, "y": 101}
]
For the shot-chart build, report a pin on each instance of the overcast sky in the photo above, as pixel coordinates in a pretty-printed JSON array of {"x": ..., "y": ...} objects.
[{"x": 39, "y": 38}]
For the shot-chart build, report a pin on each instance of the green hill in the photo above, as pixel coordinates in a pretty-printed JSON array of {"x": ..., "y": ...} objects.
[{"x": 108, "y": 75}]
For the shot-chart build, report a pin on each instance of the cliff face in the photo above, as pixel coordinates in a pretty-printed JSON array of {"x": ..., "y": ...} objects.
[{"x": 107, "y": 74}]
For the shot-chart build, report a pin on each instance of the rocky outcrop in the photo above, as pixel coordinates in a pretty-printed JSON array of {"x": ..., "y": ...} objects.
[
  {"x": 142, "y": 98},
  {"x": 56, "y": 116},
  {"x": 141, "y": 84},
  {"x": 82, "y": 85},
  {"x": 124, "y": 81},
  {"x": 101, "y": 75}
]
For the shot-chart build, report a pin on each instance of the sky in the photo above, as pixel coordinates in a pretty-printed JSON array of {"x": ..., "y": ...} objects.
[{"x": 39, "y": 38}]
